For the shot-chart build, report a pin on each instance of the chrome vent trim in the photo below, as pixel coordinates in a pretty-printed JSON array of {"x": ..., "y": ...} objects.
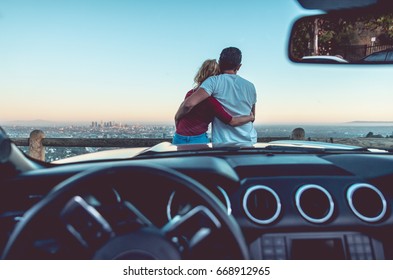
[
  {"x": 306, "y": 216},
  {"x": 257, "y": 220},
  {"x": 350, "y": 193}
]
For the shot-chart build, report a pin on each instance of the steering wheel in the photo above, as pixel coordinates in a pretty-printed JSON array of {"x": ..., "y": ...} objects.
[{"x": 124, "y": 232}]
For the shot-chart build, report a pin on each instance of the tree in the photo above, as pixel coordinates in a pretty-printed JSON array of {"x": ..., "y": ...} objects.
[
  {"x": 301, "y": 40},
  {"x": 330, "y": 35}
]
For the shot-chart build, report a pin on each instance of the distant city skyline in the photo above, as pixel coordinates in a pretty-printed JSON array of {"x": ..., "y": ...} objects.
[{"x": 104, "y": 123}]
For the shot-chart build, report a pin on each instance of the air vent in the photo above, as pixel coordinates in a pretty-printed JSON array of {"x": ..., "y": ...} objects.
[
  {"x": 314, "y": 203},
  {"x": 366, "y": 202},
  {"x": 261, "y": 204}
]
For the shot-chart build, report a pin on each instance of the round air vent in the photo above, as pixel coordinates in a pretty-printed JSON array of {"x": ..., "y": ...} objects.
[
  {"x": 367, "y": 202},
  {"x": 314, "y": 203},
  {"x": 261, "y": 204}
]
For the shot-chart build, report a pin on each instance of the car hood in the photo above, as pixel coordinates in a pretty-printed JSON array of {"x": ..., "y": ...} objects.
[
  {"x": 103, "y": 155},
  {"x": 166, "y": 147}
]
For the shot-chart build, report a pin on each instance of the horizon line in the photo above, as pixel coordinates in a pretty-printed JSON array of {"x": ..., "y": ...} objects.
[{"x": 43, "y": 123}]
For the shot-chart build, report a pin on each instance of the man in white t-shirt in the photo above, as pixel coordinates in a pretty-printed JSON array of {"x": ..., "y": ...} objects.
[{"x": 236, "y": 94}]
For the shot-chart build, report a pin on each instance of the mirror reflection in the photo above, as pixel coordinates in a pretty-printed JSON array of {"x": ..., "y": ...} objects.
[{"x": 343, "y": 39}]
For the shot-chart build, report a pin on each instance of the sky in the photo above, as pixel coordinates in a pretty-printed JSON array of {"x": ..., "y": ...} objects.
[{"x": 133, "y": 61}]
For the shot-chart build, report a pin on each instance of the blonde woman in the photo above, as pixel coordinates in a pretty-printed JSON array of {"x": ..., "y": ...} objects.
[{"x": 192, "y": 128}]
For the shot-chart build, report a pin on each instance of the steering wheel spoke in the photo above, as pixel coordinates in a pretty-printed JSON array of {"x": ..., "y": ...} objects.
[
  {"x": 85, "y": 223},
  {"x": 124, "y": 217},
  {"x": 189, "y": 230}
]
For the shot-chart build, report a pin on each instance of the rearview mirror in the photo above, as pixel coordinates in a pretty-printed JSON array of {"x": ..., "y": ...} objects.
[{"x": 342, "y": 38}]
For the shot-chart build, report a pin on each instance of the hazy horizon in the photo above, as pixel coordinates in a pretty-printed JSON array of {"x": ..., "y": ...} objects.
[{"x": 42, "y": 122}]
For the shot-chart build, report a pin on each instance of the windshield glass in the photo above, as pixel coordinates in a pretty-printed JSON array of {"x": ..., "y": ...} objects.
[{"x": 102, "y": 70}]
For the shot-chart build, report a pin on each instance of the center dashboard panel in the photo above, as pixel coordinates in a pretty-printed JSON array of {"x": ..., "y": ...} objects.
[
  {"x": 317, "y": 246},
  {"x": 306, "y": 207}
]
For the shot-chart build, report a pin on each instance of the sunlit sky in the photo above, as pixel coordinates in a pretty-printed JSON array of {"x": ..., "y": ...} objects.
[{"x": 133, "y": 61}]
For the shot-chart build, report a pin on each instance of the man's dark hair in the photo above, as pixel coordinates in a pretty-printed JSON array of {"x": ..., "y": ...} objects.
[{"x": 230, "y": 58}]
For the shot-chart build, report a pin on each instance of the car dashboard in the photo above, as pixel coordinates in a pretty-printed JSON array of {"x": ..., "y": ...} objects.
[{"x": 288, "y": 205}]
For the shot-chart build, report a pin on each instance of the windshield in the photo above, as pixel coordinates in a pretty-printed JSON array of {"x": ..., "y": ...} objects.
[{"x": 95, "y": 71}]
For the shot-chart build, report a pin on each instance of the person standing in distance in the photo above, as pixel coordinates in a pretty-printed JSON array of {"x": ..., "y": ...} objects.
[{"x": 236, "y": 94}]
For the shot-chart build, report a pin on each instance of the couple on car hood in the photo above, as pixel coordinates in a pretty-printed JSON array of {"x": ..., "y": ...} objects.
[{"x": 220, "y": 97}]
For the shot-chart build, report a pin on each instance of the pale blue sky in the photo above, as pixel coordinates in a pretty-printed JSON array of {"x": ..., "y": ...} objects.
[{"x": 128, "y": 60}]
